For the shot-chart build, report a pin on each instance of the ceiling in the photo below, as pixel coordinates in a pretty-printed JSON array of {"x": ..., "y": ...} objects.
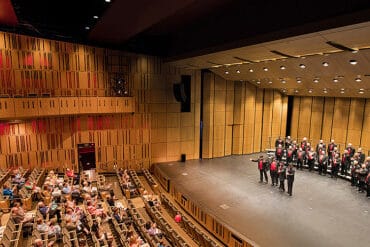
[{"x": 199, "y": 34}]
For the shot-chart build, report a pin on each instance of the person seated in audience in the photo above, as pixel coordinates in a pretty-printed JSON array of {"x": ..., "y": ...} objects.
[
  {"x": 76, "y": 194},
  {"x": 161, "y": 244},
  {"x": 39, "y": 243},
  {"x": 155, "y": 231},
  {"x": 178, "y": 217},
  {"x": 95, "y": 210},
  {"x": 18, "y": 179},
  {"x": 19, "y": 214},
  {"x": 57, "y": 194},
  {"x": 19, "y": 218},
  {"x": 66, "y": 189},
  {"x": 52, "y": 210},
  {"x": 110, "y": 201},
  {"x": 7, "y": 191},
  {"x": 136, "y": 241},
  {"x": 50, "y": 228},
  {"x": 86, "y": 188}
]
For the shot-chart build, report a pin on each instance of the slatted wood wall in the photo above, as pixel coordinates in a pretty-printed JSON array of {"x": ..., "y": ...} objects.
[
  {"x": 240, "y": 118},
  {"x": 157, "y": 131},
  {"x": 343, "y": 119}
]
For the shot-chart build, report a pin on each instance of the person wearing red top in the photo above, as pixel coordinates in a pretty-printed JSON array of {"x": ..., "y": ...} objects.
[
  {"x": 261, "y": 167},
  {"x": 335, "y": 166},
  {"x": 322, "y": 163},
  {"x": 279, "y": 152},
  {"x": 273, "y": 173},
  {"x": 178, "y": 217},
  {"x": 300, "y": 158}
]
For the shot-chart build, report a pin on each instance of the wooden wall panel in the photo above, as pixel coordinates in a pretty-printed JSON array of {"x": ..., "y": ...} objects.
[
  {"x": 316, "y": 119},
  {"x": 295, "y": 118},
  {"x": 328, "y": 119},
  {"x": 340, "y": 121},
  {"x": 249, "y": 118},
  {"x": 284, "y": 114},
  {"x": 304, "y": 117},
  {"x": 257, "y": 146},
  {"x": 344, "y": 120},
  {"x": 355, "y": 120},
  {"x": 365, "y": 134},
  {"x": 267, "y": 119}
]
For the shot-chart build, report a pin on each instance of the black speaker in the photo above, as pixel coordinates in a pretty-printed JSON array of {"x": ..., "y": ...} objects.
[
  {"x": 179, "y": 92},
  {"x": 183, "y": 157}
]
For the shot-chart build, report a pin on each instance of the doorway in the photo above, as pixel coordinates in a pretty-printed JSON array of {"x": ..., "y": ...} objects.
[{"x": 86, "y": 156}]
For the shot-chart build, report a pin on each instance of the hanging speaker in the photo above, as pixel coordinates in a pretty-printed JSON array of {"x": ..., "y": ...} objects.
[{"x": 179, "y": 92}]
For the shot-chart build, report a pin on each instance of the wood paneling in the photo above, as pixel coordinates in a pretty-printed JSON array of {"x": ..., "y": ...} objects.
[{"x": 345, "y": 120}]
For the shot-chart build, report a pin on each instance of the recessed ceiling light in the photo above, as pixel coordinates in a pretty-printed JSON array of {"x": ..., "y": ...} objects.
[
  {"x": 226, "y": 72},
  {"x": 265, "y": 69},
  {"x": 284, "y": 90},
  {"x": 258, "y": 82},
  {"x": 238, "y": 71},
  {"x": 251, "y": 70},
  {"x": 299, "y": 80},
  {"x": 296, "y": 91},
  {"x": 283, "y": 81},
  {"x": 107, "y": 1},
  {"x": 325, "y": 90},
  {"x": 302, "y": 66},
  {"x": 325, "y": 64},
  {"x": 95, "y": 17},
  {"x": 361, "y": 92},
  {"x": 354, "y": 51},
  {"x": 353, "y": 62},
  {"x": 282, "y": 67},
  {"x": 358, "y": 79},
  {"x": 335, "y": 80},
  {"x": 342, "y": 89},
  {"x": 341, "y": 92},
  {"x": 316, "y": 80},
  {"x": 270, "y": 82},
  {"x": 310, "y": 90},
  {"x": 87, "y": 28}
]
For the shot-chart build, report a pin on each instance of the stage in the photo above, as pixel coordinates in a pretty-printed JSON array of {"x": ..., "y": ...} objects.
[{"x": 321, "y": 212}]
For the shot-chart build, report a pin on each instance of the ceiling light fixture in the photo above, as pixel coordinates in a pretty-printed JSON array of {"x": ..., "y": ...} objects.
[
  {"x": 335, "y": 80},
  {"x": 238, "y": 71},
  {"x": 96, "y": 17},
  {"x": 310, "y": 90},
  {"x": 299, "y": 80},
  {"x": 284, "y": 90},
  {"x": 361, "y": 91},
  {"x": 282, "y": 67},
  {"x": 226, "y": 72},
  {"x": 251, "y": 70},
  {"x": 358, "y": 79},
  {"x": 258, "y": 82},
  {"x": 270, "y": 82},
  {"x": 316, "y": 80},
  {"x": 265, "y": 69},
  {"x": 325, "y": 90},
  {"x": 296, "y": 91},
  {"x": 302, "y": 66},
  {"x": 107, "y": 1},
  {"x": 87, "y": 28},
  {"x": 353, "y": 62},
  {"x": 342, "y": 91},
  {"x": 325, "y": 64},
  {"x": 283, "y": 81}
]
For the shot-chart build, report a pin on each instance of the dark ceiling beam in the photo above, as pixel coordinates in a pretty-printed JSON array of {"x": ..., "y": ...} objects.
[{"x": 125, "y": 19}]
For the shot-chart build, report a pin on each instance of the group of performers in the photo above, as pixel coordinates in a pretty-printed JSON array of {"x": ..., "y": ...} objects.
[{"x": 326, "y": 158}]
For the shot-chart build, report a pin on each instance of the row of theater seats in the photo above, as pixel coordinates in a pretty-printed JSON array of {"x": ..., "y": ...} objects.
[
  {"x": 200, "y": 237},
  {"x": 11, "y": 234},
  {"x": 119, "y": 230},
  {"x": 140, "y": 225},
  {"x": 4, "y": 175},
  {"x": 164, "y": 225},
  {"x": 151, "y": 181}
]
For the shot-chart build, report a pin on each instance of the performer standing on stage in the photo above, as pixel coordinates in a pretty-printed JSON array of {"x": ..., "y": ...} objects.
[
  {"x": 331, "y": 147},
  {"x": 322, "y": 160},
  {"x": 300, "y": 158},
  {"x": 290, "y": 177},
  {"x": 335, "y": 166},
  {"x": 261, "y": 167},
  {"x": 279, "y": 152},
  {"x": 273, "y": 172},
  {"x": 282, "y": 176}
]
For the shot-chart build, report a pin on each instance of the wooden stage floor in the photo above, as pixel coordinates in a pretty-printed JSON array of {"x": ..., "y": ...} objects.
[{"x": 321, "y": 212}]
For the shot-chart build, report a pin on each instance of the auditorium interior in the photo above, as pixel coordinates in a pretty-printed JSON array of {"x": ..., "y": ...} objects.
[{"x": 141, "y": 123}]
